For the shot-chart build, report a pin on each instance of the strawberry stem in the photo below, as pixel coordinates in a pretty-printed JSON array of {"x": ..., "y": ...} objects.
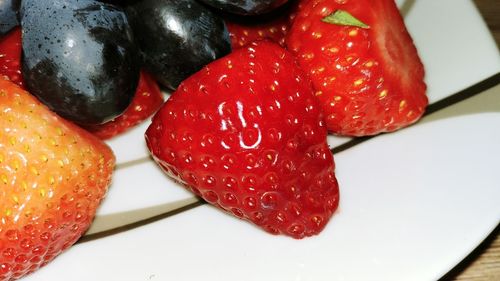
[{"x": 341, "y": 17}]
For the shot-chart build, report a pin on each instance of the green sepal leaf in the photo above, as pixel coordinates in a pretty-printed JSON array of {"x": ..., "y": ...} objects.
[{"x": 341, "y": 17}]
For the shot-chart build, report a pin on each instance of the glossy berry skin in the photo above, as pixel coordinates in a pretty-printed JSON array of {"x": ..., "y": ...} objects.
[
  {"x": 247, "y": 135},
  {"x": 147, "y": 100},
  {"x": 8, "y": 16},
  {"x": 245, "y": 7},
  {"x": 177, "y": 38},
  {"x": 368, "y": 80},
  {"x": 53, "y": 176},
  {"x": 10, "y": 56},
  {"x": 79, "y": 58}
]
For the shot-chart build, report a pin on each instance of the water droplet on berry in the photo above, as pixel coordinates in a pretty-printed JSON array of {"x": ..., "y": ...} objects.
[{"x": 269, "y": 200}]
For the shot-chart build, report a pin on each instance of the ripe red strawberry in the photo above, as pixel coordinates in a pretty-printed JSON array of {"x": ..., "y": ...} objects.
[
  {"x": 10, "y": 56},
  {"x": 363, "y": 64},
  {"x": 247, "y": 134},
  {"x": 272, "y": 27},
  {"x": 147, "y": 100},
  {"x": 53, "y": 176}
]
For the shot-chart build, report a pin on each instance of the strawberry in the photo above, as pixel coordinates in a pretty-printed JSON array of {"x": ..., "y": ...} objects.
[
  {"x": 272, "y": 27},
  {"x": 10, "y": 56},
  {"x": 247, "y": 135},
  {"x": 147, "y": 100},
  {"x": 363, "y": 64},
  {"x": 53, "y": 176}
]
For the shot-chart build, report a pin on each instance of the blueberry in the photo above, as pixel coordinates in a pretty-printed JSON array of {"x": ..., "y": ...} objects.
[
  {"x": 177, "y": 38},
  {"x": 246, "y": 7},
  {"x": 79, "y": 58},
  {"x": 8, "y": 15}
]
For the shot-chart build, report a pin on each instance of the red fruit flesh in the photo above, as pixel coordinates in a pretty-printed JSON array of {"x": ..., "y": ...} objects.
[
  {"x": 10, "y": 56},
  {"x": 368, "y": 80},
  {"x": 247, "y": 135},
  {"x": 53, "y": 176},
  {"x": 147, "y": 100}
]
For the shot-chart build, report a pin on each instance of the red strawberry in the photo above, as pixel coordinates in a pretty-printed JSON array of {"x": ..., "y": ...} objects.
[
  {"x": 273, "y": 26},
  {"x": 247, "y": 135},
  {"x": 10, "y": 56},
  {"x": 53, "y": 176},
  {"x": 147, "y": 100},
  {"x": 364, "y": 67}
]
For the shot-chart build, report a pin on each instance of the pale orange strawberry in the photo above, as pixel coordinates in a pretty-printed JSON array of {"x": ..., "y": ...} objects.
[{"x": 53, "y": 175}]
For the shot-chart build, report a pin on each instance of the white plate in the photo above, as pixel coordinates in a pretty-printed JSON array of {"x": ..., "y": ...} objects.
[{"x": 413, "y": 203}]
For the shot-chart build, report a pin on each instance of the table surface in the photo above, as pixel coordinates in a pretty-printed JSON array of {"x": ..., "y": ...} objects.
[
  {"x": 490, "y": 9},
  {"x": 484, "y": 262}
]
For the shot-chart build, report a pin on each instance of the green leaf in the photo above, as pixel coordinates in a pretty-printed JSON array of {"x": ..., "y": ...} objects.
[{"x": 341, "y": 17}]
